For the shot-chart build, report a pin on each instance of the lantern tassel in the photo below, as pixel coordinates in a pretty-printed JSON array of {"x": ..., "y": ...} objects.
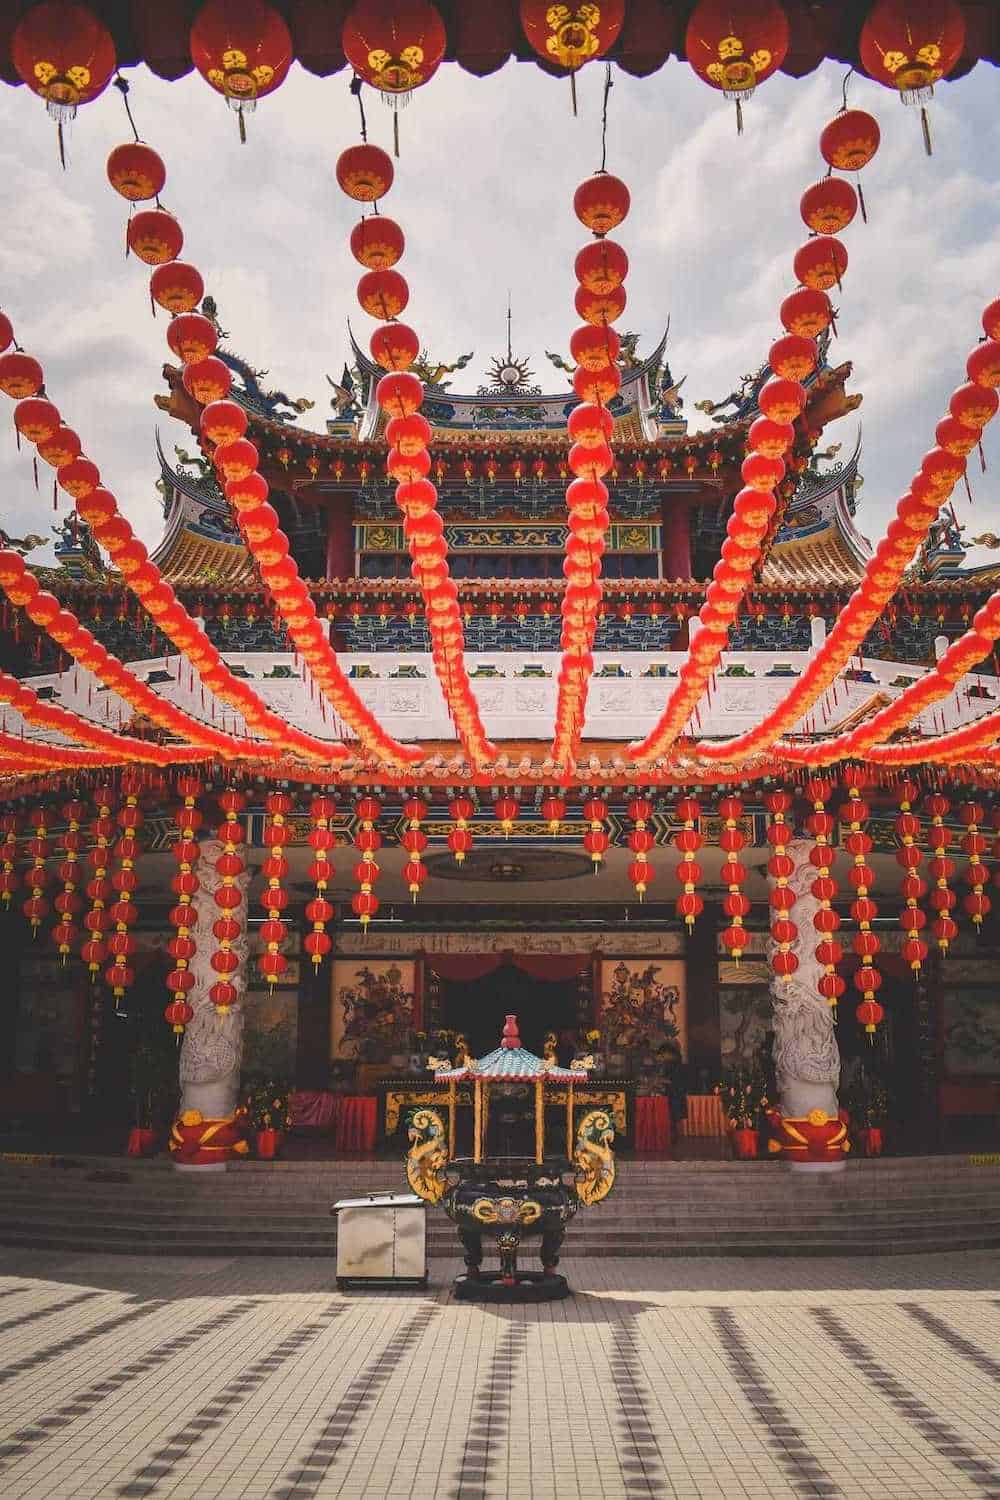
[
  {"x": 34, "y": 469},
  {"x": 926, "y": 127},
  {"x": 62, "y": 144},
  {"x": 982, "y": 456},
  {"x": 243, "y": 126},
  {"x": 861, "y": 202},
  {"x": 739, "y": 117},
  {"x": 967, "y": 489},
  {"x": 395, "y": 133},
  {"x": 572, "y": 90}
]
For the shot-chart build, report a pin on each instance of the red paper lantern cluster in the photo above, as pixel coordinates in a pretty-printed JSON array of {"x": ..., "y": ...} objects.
[
  {"x": 367, "y": 841},
  {"x": 735, "y": 904},
  {"x": 414, "y": 841},
  {"x": 858, "y": 843},
  {"x": 230, "y": 924},
  {"x": 977, "y": 904},
  {"x": 98, "y": 889},
  {"x": 596, "y": 840},
  {"x": 36, "y": 877},
  {"x": 826, "y": 919},
  {"x": 912, "y": 917},
  {"x": 688, "y": 871},
  {"x": 383, "y": 293},
  {"x": 123, "y": 912},
  {"x": 600, "y": 203},
  {"x": 941, "y": 868},
  {"x": 319, "y": 911},
  {"x": 733, "y": 45},
  {"x": 183, "y": 917},
  {"x": 274, "y": 897},
  {"x": 68, "y": 903},
  {"x": 780, "y": 867},
  {"x": 640, "y": 841}
]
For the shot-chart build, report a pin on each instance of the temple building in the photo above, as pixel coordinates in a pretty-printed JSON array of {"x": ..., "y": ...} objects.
[{"x": 527, "y": 902}]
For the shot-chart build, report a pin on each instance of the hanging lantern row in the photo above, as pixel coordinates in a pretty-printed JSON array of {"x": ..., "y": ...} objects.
[
  {"x": 818, "y": 265},
  {"x": 229, "y": 926},
  {"x": 826, "y": 919},
  {"x": 274, "y": 896},
  {"x": 688, "y": 871},
  {"x": 601, "y": 203},
  {"x": 781, "y": 897},
  {"x": 976, "y": 903},
  {"x": 640, "y": 841},
  {"x": 98, "y": 889},
  {"x": 319, "y": 911},
  {"x": 735, "y": 904},
  {"x": 367, "y": 841},
  {"x": 123, "y": 912},
  {"x": 155, "y": 238},
  {"x": 912, "y": 918},
  {"x": 414, "y": 841},
  {"x": 183, "y": 917},
  {"x": 972, "y": 406},
  {"x": 365, "y": 173},
  {"x": 858, "y": 843}
]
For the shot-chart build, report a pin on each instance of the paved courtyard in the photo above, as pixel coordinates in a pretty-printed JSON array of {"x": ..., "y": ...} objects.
[{"x": 131, "y": 1377}]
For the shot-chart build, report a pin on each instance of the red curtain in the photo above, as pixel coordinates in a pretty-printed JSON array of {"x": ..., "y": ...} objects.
[{"x": 472, "y": 966}]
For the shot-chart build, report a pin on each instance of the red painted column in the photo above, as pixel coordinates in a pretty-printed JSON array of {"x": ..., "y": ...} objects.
[
  {"x": 339, "y": 540},
  {"x": 675, "y": 541}
]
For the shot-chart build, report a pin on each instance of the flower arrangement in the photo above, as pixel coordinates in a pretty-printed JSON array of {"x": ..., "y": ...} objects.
[
  {"x": 266, "y": 1106},
  {"x": 744, "y": 1098}
]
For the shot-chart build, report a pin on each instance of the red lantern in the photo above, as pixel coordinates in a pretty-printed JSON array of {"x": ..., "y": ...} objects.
[
  {"x": 383, "y": 294},
  {"x": 155, "y": 236},
  {"x": 136, "y": 172},
  {"x": 601, "y": 203},
  {"x": 869, "y": 1013},
  {"x": 178, "y": 1014},
  {"x": 394, "y": 346},
  {"x": 243, "y": 49},
  {"x": 829, "y": 205},
  {"x": 567, "y": 36},
  {"x": 377, "y": 242},
  {"x": 850, "y": 140},
  {"x": 394, "y": 45},
  {"x": 793, "y": 356},
  {"x": 507, "y": 809},
  {"x": 821, "y": 262},
  {"x": 176, "y": 286},
  {"x": 64, "y": 54},
  {"x": 553, "y": 810},
  {"x": 734, "y": 45},
  {"x": 909, "y": 45},
  {"x": 364, "y": 905},
  {"x": 364, "y": 173},
  {"x": 806, "y": 312},
  {"x": 207, "y": 380}
]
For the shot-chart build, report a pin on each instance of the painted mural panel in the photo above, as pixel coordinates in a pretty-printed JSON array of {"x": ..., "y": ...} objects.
[
  {"x": 371, "y": 1007},
  {"x": 643, "y": 1004}
]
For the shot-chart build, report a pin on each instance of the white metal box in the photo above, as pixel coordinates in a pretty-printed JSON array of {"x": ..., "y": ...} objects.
[{"x": 382, "y": 1238}]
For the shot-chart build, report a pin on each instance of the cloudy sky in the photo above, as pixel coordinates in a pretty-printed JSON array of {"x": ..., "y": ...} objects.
[{"x": 484, "y": 193}]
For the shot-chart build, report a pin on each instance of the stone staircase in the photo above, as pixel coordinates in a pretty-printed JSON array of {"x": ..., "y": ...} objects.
[{"x": 658, "y": 1208}]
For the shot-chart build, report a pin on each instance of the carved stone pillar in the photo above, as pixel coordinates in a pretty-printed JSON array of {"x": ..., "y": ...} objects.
[
  {"x": 212, "y": 1049},
  {"x": 806, "y": 1055}
]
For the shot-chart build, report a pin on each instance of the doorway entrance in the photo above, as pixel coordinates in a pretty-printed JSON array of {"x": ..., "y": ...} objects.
[{"x": 477, "y": 1007}]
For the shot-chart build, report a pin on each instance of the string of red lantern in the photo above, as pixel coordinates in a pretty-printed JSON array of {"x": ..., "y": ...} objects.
[
  {"x": 414, "y": 841},
  {"x": 98, "y": 890},
  {"x": 781, "y": 897},
  {"x": 736, "y": 905},
  {"x": 461, "y": 810},
  {"x": 23, "y": 590},
  {"x": 367, "y": 841},
  {"x": 22, "y": 756},
  {"x": 122, "y": 747},
  {"x": 9, "y": 826},
  {"x": 67, "y": 903},
  {"x": 826, "y": 919},
  {"x": 365, "y": 174},
  {"x": 601, "y": 203},
  {"x": 124, "y": 882},
  {"x": 733, "y": 45},
  {"x": 909, "y": 855},
  {"x": 65, "y": 55},
  {"x": 155, "y": 237},
  {"x": 183, "y": 917},
  {"x": 243, "y": 49},
  {"x": 229, "y": 926},
  {"x": 910, "y": 47},
  {"x": 571, "y": 35},
  {"x": 640, "y": 841},
  {"x": 866, "y": 942},
  {"x": 274, "y": 897},
  {"x": 941, "y": 869},
  {"x": 976, "y": 903},
  {"x": 36, "y": 877},
  {"x": 996, "y": 845},
  {"x": 596, "y": 840},
  {"x": 972, "y": 406},
  {"x": 395, "y": 46},
  {"x": 818, "y": 265},
  {"x": 688, "y": 871},
  {"x": 960, "y": 658},
  {"x": 319, "y": 911}
]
